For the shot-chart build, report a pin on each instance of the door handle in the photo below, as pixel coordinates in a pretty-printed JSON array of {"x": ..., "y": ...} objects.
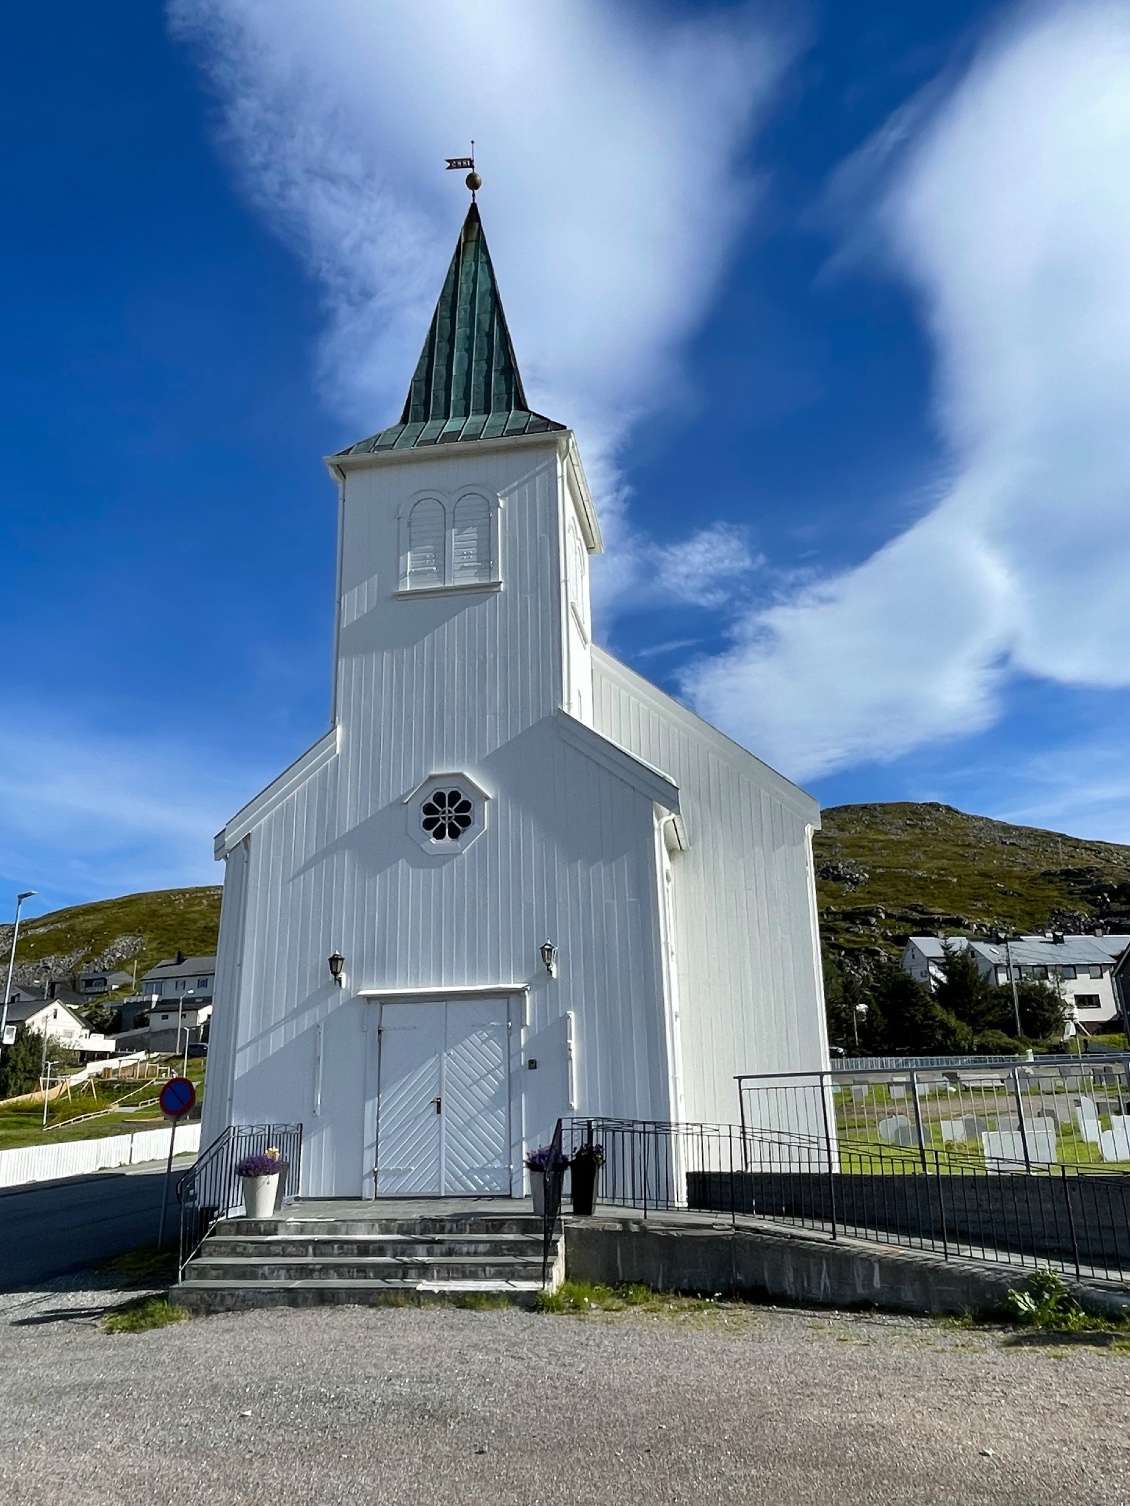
[{"x": 439, "y": 1105}]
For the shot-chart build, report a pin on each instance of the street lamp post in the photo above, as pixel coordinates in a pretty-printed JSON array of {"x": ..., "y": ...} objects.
[
  {"x": 27, "y": 894},
  {"x": 46, "y": 1038},
  {"x": 190, "y": 994},
  {"x": 857, "y": 1014},
  {"x": 46, "y": 1089}
]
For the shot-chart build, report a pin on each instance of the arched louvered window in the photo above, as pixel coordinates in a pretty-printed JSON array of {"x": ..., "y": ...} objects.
[
  {"x": 471, "y": 541},
  {"x": 427, "y": 526}
]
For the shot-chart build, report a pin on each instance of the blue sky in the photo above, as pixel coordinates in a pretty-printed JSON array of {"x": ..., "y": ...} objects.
[{"x": 837, "y": 298}]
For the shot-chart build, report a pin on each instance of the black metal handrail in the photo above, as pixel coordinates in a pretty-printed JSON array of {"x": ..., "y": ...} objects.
[
  {"x": 554, "y": 1178},
  {"x": 1072, "y": 1216},
  {"x": 211, "y": 1189}
]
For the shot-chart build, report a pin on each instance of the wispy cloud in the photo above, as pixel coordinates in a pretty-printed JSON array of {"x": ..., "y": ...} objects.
[
  {"x": 612, "y": 142},
  {"x": 97, "y": 814},
  {"x": 1007, "y": 205}
]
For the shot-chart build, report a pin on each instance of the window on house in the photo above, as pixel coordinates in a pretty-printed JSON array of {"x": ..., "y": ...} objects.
[
  {"x": 427, "y": 526},
  {"x": 1094, "y": 972},
  {"x": 1087, "y": 1001},
  {"x": 202, "y": 982},
  {"x": 470, "y": 541},
  {"x": 1067, "y": 972},
  {"x": 1040, "y": 972}
]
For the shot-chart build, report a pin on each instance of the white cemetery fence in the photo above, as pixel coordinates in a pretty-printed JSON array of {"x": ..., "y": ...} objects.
[
  {"x": 1024, "y": 1163},
  {"x": 73, "y": 1158}
]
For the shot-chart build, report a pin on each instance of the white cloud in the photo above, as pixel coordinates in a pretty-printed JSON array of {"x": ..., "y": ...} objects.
[
  {"x": 610, "y": 140},
  {"x": 1009, "y": 211}
]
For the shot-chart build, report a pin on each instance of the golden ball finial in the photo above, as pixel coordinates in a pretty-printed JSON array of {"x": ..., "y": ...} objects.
[{"x": 474, "y": 182}]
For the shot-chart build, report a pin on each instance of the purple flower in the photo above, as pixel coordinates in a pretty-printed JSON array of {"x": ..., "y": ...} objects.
[
  {"x": 258, "y": 1166},
  {"x": 546, "y": 1158}
]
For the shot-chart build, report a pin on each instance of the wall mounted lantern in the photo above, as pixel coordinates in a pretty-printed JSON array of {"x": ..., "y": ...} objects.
[
  {"x": 337, "y": 963},
  {"x": 549, "y": 957}
]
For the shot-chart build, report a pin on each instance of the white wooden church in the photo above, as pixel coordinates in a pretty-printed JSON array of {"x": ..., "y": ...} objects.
[{"x": 548, "y": 888}]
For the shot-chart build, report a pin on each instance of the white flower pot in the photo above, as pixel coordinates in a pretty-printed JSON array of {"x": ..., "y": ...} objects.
[
  {"x": 537, "y": 1192},
  {"x": 259, "y": 1195}
]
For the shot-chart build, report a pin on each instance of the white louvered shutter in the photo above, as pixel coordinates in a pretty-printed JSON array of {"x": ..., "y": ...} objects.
[
  {"x": 470, "y": 553},
  {"x": 426, "y": 527}
]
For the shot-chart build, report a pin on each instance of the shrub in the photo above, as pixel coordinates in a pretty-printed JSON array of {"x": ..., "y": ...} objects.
[{"x": 1045, "y": 1302}]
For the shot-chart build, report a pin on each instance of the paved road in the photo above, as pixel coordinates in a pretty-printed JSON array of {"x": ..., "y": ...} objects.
[
  {"x": 48, "y": 1228},
  {"x": 394, "y": 1407}
]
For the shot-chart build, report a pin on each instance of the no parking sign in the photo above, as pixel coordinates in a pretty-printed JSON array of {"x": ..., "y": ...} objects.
[{"x": 177, "y": 1097}]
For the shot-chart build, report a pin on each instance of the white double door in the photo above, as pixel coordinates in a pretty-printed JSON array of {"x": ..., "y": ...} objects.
[{"x": 443, "y": 1106}]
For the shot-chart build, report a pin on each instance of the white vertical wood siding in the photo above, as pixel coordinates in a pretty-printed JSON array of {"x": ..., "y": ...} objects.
[
  {"x": 749, "y": 983},
  {"x": 467, "y": 682}
]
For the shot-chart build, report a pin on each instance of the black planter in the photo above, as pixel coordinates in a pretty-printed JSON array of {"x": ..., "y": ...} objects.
[{"x": 584, "y": 1185}]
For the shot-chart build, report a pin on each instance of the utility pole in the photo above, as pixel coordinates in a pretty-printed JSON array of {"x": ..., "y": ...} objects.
[
  {"x": 27, "y": 894},
  {"x": 1012, "y": 980}
]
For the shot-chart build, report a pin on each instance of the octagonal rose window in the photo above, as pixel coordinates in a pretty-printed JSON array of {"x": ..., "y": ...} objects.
[{"x": 446, "y": 814}]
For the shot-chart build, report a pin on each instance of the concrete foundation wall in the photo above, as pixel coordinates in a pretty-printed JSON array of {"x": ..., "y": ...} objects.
[{"x": 788, "y": 1268}]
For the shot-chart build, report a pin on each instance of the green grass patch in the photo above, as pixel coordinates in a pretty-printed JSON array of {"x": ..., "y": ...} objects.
[
  {"x": 142, "y": 1313},
  {"x": 482, "y": 1302},
  {"x": 593, "y": 1296}
]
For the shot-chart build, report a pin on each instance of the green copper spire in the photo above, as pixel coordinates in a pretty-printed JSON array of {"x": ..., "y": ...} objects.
[{"x": 467, "y": 384}]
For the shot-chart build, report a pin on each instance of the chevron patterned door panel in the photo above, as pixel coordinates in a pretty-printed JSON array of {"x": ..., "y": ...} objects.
[
  {"x": 444, "y": 1099},
  {"x": 476, "y": 1106},
  {"x": 408, "y": 1126}
]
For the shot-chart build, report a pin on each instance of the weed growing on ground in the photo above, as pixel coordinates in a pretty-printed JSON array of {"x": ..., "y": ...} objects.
[
  {"x": 1045, "y": 1302},
  {"x": 141, "y": 1314},
  {"x": 593, "y": 1296},
  {"x": 482, "y": 1302}
]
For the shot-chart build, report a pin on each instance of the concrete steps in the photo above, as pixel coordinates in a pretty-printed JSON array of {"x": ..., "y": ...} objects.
[{"x": 304, "y": 1260}]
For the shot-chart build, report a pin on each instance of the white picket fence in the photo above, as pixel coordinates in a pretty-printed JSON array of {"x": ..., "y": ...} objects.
[{"x": 75, "y": 1158}]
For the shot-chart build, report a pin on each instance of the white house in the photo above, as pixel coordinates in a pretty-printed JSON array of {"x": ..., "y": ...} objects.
[
  {"x": 60, "y": 1023},
  {"x": 1082, "y": 966},
  {"x": 549, "y": 888},
  {"x": 179, "y": 976}
]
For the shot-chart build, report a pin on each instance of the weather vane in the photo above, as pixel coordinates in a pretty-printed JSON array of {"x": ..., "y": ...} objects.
[{"x": 473, "y": 180}]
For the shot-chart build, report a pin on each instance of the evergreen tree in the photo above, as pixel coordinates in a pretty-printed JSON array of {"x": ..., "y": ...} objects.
[
  {"x": 917, "y": 1024},
  {"x": 1042, "y": 1009},
  {"x": 965, "y": 994},
  {"x": 20, "y": 1063}
]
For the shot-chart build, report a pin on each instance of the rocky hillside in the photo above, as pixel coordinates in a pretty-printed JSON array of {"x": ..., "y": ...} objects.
[
  {"x": 112, "y": 933},
  {"x": 886, "y": 872}
]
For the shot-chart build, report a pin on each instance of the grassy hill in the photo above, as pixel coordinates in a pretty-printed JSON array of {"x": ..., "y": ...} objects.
[
  {"x": 885, "y": 872},
  {"x": 113, "y": 932}
]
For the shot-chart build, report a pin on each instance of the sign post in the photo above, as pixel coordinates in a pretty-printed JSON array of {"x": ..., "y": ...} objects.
[{"x": 176, "y": 1098}]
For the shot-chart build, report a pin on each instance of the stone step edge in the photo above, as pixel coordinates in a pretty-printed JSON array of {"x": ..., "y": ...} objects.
[{"x": 210, "y": 1288}]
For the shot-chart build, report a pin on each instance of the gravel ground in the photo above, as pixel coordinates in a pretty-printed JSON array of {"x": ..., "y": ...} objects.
[{"x": 315, "y": 1407}]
